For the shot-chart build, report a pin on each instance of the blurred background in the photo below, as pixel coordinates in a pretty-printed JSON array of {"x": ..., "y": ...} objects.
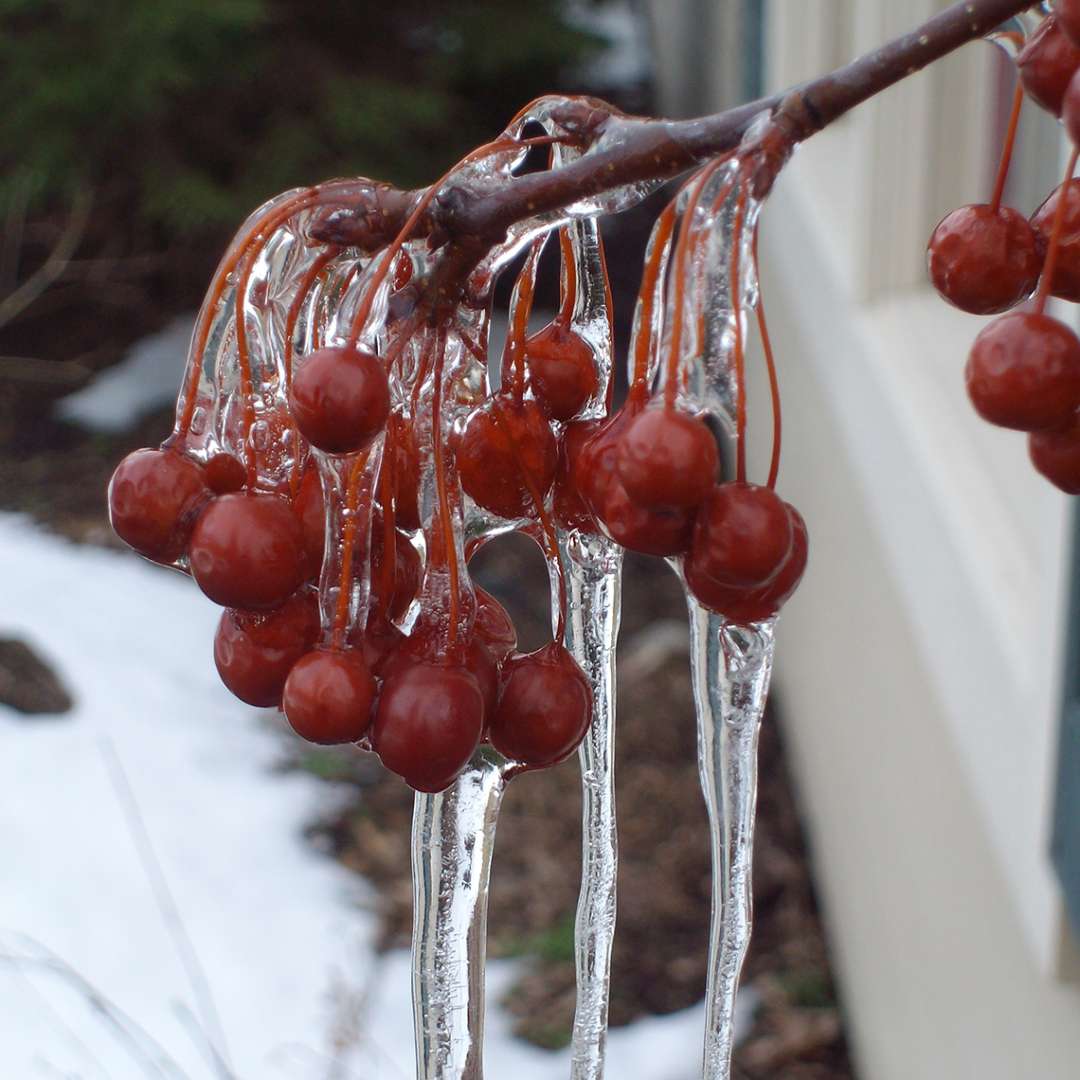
[{"x": 187, "y": 891}]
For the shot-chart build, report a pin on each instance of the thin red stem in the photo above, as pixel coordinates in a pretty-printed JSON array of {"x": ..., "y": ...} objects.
[
  {"x": 568, "y": 278},
  {"x": 513, "y": 363},
  {"x": 644, "y": 343},
  {"x": 1007, "y": 148},
  {"x": 446, "y": 525},
  {"x": 774, "y": 382}
]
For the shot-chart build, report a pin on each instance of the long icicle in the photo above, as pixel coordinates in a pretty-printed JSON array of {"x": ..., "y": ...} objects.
[
  {"x": 453, "y": 837},
  {"x": 732, "y": 666},
  {"x": 594, "y": 573}
]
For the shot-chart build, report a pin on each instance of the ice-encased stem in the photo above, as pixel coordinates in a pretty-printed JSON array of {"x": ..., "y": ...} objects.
[
  {"x": 594, "y": 584},
  {"x": 453, "y": 837},
  {"x": 731, "y": 669}
]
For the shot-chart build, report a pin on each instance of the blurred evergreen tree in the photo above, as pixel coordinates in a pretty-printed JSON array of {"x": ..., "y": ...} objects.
[{"x": 185, "y": 114}]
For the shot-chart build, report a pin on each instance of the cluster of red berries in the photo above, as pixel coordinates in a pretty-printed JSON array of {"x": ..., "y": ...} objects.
[
  {"x": 343, "y": 574},
  {"x": 1023, "y": 371}
]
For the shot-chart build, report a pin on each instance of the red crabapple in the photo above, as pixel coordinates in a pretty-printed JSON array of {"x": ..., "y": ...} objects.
[
  {"x": 1024, "y": 372},
  {"x": 154, "y": 498},
  {"x": 328, "y": 696},
  {"x": 340, "y": 399},
  {"x": 544, "y": 709},
  {"x": 984, "y": 261},
  {"x": 247, "y": 550}
]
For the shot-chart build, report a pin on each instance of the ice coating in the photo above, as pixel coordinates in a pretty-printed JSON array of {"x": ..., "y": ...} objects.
[
  {"x": 711, "y": 287},
  {"x": 280, "y": 295},
  {"x": 452, "y": 844},
  {"x": 595, "y": 588},
  {"x": 731, "y": 670}
]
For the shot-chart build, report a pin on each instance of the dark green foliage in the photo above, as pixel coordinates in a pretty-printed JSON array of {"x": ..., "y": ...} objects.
[{"x": 188, "y": 113}]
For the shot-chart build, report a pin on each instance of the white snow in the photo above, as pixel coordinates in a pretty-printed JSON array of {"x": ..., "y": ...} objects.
[
  {"x": 147, "y": 378},
  {"x": 283, "y": 933}
]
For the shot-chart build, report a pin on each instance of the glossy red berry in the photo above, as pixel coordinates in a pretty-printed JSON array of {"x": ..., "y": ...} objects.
[
  {"x": 1067, "y": 13},
  {"x": 544, "y": 709},
  {"x": 247, "y": 551},
  {"x": 428, "y": 723},
  {"x": 154, "y": 498},
  {"x": 562, "y": 371},
  {"x": 493, "y": 625},
  {"x": 340, "y": 399},
  {"x": 749, "y": 605},
  {"x": 255, "y": 650},
  {"x": 667, "y": 459},
  {"x": 505, "y": 455},
  {"x": 1056, "y": 454},
  {"x": 1024, "y": 372},
  {"x": 225, "y": 473},
  {"x": 1047, "y": 63},
  {"x": 328, "y": 696},
  {"x": 1066, "y": 280},
  {"x": 636, "y": 528},
  {"x": 984, "y": 261},
  {"x": 742, "y": 537}
]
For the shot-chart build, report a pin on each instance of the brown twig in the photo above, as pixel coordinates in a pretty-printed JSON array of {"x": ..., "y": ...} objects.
[{"x": 660, "y": 149}]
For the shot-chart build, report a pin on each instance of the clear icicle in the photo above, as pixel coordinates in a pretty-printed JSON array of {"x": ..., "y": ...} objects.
[
  {"x": 453, "y": 837},
  {"x": 594, "y": 585},
  {"x": 732, "y": 666}
]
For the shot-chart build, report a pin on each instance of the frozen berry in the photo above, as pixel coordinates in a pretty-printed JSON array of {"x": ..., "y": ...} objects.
[
  {"x": 225, "y": 473},
  {"x": 637, "y": 528},
  {"x": 154, "y": 499},
  {"x": 1047, "y": 63},
  {"x": 506, "y": 452},
  {"x": 1024, "y": 372},
  {"x": 247, "y": 551},
  {"x": 742, "y": 537},
  {"x": 984, "y": 261},
  {"x": 1066, "y": 280},
  {"x": 668, "y": 459},
  {"x": 340, "y": 399},
  {"x": 747, "y": 605},
  {"x": 255, "y": 650},
  {"x": 328, "y": 696},
  {"x": 562, "y": 370},
  {"x": 544, "y": 709},
  {"x": 1056, "y": 454},
  {"x": 428, "y": 723}
]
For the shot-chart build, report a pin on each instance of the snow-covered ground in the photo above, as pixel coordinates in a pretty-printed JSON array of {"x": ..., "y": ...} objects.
[{"x": 157, "y": 767}]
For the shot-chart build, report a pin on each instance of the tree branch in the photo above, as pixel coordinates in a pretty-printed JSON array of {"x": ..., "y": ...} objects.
[{"x": 660, "y": 149}]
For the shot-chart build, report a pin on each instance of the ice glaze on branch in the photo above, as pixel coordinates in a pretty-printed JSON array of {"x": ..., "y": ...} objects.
[{"x": 658, "y": 149}]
